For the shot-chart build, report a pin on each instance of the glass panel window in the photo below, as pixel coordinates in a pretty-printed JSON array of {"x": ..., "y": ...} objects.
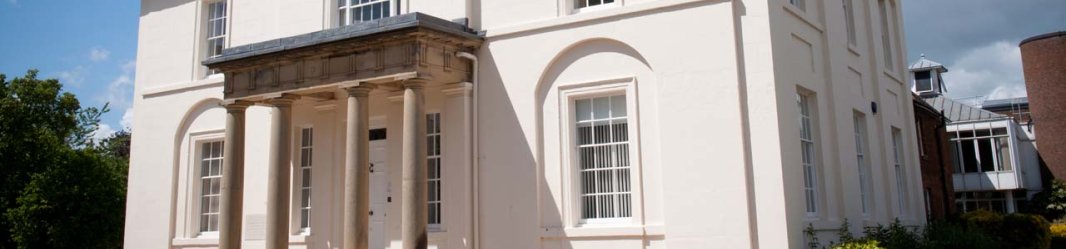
[
  {"x": 982, "y": 150},
  {"x": 355, "y": 11},
  {"x": 216, "y": 30},
  {"x": 923, "y": 81},
  {"x": 801, "y": 4},
  {"x": 897, "y": 151},
  {"x": 886, "y": 33},
  {"x": 591, "y": 3},
  {"x": 849, "y": 19},
  {"x": 988, "y": 200},
  {"x": 210, "y": 185},
  {"x": 808, "y": 152},
  {"x": 603, "y": 157},
  {"x": 861, "y": 162},
  {"x": 433, "y": 162},
  {"x": 306, "y": 160}
]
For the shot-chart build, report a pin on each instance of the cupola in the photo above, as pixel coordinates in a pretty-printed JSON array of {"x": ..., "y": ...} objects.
[{"x": 927, "y": 77}]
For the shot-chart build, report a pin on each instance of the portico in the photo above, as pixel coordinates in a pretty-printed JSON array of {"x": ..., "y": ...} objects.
[{"x": 401, "y": 56}]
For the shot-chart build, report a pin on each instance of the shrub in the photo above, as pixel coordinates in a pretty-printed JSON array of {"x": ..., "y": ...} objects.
[
  {"x": 950, "y": 235},
  {"x": 1051, "y": 203},
  {"x": 895, "y": 235},
  {"x": 1025, "y": 231},
  {"x": 862, "y": 244},
  {"x": 986, "y": 220},
  {"x": 1058, "y": 235}
]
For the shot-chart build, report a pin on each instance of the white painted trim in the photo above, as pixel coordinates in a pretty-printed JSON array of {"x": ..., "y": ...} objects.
[
  {"x": 568, "y": 93},
  {"x": 182, "y": 87},
  {"x": 495, "y": 32}
]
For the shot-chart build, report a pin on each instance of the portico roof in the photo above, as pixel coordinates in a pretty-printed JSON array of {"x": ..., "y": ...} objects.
[
  {"x": 381, "y": 52},
  {"x": 350, "y": 32}
]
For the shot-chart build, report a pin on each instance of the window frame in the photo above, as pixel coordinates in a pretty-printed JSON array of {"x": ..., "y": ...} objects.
[
  {"x": 886, "y": 10},
  {"x": 193, "y": 179},
  {"x": 863, "y": 162},
  {"x": 335, "y": 9},
  {"x": 298, "y": 180},
  {"x": 849, "y": 23},
  {"x": 807, "y": 99},
  {"x": 799, "y": 4},
  {"x": 899, "y": 152},
  {"x": 574, "y": 9},
  {"x": 204, "y": 48},
  {"x": 1000, "y": 162},
  {"x": 440, "y": 166},
  {"x": 568, "y": 95}
]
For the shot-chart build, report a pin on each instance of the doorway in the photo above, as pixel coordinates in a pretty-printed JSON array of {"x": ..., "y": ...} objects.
[{"x": 380, "y": 190}]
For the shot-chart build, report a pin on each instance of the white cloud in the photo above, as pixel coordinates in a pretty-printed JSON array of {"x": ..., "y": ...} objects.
[
  {"x": 99, "y": 54},
  {"x": 102, "y": 132},
  {"x": 119, "y": 94},
  {"x": 993, "y": 71},
  {"x": 127, "y": 119},
  {"x": 120, "y": 90},
  {"x": 73, "y": 77}
]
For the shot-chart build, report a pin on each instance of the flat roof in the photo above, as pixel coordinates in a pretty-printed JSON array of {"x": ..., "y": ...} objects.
[
  {"x": 1042, "y": 36},
  {"x": 348, "y": 32}
]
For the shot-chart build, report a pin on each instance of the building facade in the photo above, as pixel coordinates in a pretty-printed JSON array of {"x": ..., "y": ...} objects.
[
  {"x": 996, "y": 166},
  {"x": 936, "y": 159},
  {"x": 1043, "y": 60},
  {"x": 519, "y": 124}
]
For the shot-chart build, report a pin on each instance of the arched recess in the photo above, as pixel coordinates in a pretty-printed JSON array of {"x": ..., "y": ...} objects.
[
  {"x": 594, "y": 63},
  {"x": 204, "y": 113}
]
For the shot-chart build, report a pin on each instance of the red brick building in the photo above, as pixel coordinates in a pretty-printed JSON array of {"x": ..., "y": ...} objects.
[
  {"x": 1044, "y": 65},
  {"x": 934, "y": 154}
]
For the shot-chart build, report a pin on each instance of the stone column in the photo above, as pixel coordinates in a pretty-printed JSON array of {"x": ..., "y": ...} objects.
[
  {"x": 280, "y": 170},
  {"x": 357, "y": 169},
  {"x": 413, "y": 209},
  {"x": 231, "y": 203}
]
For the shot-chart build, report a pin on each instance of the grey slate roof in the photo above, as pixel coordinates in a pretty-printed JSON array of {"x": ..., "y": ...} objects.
[
  {"x": 354, "y": 31},
  {"x": 959, "y": 112},
  {"x": 924, "y": 63},
  {"x": 1002, "y": 103}
]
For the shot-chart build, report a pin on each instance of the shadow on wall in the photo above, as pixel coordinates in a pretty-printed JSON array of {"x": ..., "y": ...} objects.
[
  {"x": 553, "y": 215},
  {"x": 180, "y": 135},
  {"x": 507, "y": 166}
]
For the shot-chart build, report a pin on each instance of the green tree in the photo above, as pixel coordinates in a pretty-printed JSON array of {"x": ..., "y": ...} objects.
[
  {"x": 1051, "y": 203},
  {"x": 58, "y": 188}
]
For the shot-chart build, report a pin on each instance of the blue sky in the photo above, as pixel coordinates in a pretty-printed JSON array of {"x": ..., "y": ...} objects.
[{"x": 89, "y": 45}]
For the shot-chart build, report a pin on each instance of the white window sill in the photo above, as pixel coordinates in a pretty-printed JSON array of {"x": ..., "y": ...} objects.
[
  {"x": 299, "y": 239},
  {"x": 604, "y": 231},
  {"x": 595, "y": 8},
  {"x": 194, "y": 242}
]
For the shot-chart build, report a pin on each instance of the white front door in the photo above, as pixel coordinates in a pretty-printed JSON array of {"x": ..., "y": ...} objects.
[{"x": 380, "y": 195}]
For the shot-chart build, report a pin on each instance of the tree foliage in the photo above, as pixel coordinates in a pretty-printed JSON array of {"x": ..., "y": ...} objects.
[
  {"x": 59, "y": 189},
  {"x": 1051, "y": 203}
]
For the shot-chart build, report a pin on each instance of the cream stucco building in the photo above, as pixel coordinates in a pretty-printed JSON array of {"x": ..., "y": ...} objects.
[{"x": 518, "y": 123}]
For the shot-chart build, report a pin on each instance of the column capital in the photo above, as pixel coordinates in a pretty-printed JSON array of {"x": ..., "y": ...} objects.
[
  {"x": 460, "y": 89},
  {"x": 236, "y": 105},
  {"x": 362, "y": 90},
  {"x": 415, "y": 83},
  {"x": 282, "y": 100}
]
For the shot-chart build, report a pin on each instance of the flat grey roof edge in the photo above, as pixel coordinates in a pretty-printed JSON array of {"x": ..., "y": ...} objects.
[{"x": 362, "y": 29}]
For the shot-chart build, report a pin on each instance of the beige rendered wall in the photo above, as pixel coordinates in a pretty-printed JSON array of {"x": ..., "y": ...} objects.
[
  {"x": 679, "y": 57},
  {"x": 711, "y": 84},
  {"x": 812, "y": 53}
]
